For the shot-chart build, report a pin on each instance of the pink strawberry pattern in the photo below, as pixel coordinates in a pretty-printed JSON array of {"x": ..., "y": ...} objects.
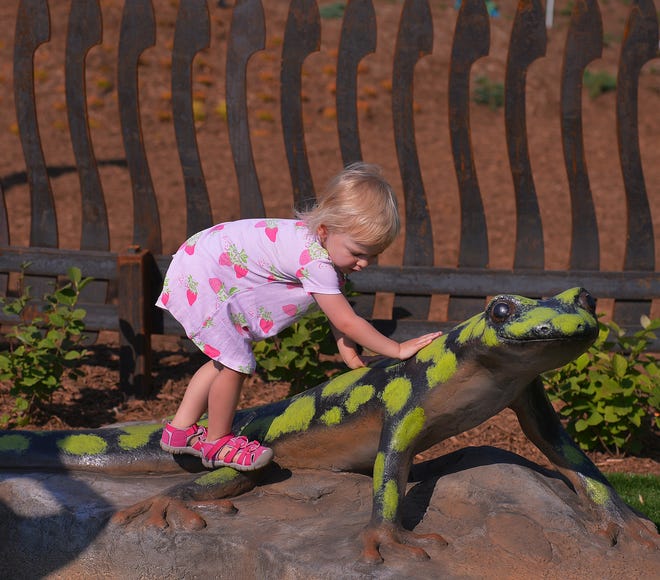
[
  {"x": 239, "y": 322},
  {"x": 189, "y": 245},
  {"x": 314, "y": 251},
  {"x": 165, "y": 294},
  {"x": 191, "y": 290},
  {"x": 265, "y": 319},
  {"x": 290, "y": 309},
  {"x": 235, "y": 258},
  {"x": 270, "y": 230},
  {"x": 221, "y": 290}
]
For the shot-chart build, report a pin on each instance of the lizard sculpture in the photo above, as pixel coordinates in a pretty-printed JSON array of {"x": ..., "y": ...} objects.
[{"x": 375, "y": 419}]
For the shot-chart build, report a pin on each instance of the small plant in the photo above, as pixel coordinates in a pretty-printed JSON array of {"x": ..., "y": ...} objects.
[
  {"x": 332, "y": 11},
  {"x": 42, "y": 346},
  {"x": 611, "y": 393},
  {"x": 598, "y": 83},
  {"x": 488, "y": 92},
  {"x": 294, "y": 355}
]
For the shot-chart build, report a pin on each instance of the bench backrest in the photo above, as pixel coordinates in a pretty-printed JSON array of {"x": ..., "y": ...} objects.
[{"x": 121, "y": 298}]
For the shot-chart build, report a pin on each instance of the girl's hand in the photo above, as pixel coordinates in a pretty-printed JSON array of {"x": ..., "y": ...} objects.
[
  {"x": 412, "y": 346},
  {"x": 349, "y": 354}
]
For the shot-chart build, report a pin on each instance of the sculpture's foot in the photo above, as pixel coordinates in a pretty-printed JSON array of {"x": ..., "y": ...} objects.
[
  {"x": 638, "y": 530},
  {"x": 391, "y": 537},
  {"x": 163, "y": 512}
]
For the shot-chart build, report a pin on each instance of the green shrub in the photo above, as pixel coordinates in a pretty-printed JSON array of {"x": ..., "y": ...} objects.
[
  {"x": 598, "y": 83},
  {"x": 294, "y": 355},
  {"x": 42, "y": 346},
  {"x": 488, "y": 92},
  {"x": 611, "y": 393}
]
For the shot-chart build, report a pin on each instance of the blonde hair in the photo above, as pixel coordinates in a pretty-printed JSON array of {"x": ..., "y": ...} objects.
[{"x": 360, "y": 202}]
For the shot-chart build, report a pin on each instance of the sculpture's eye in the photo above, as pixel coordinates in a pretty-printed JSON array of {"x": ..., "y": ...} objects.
[{"x": 501, "y": 311}]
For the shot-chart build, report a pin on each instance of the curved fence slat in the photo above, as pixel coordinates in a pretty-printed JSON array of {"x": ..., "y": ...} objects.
[
  {"x": 640, "y": 44},
  {"x": 138, "y": 32},
  {"x": 584, "y": 43},
  {"x": 528, "y": 43},
  {"x": 358, "y": 39},
  {"x": 414, "y": 40},
  {"x": 302, "y": 37},
  {"x": 247, "y": 36},
  {"x": 32, "y": 30},
  {"x": 85, "y": 30},
  {"x": 192, "y": 34},
  {"x": 471, "y": 42}
]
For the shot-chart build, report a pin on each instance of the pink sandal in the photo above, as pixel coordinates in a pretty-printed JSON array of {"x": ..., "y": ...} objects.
[
  {"x": 236, "y": 452},
  {"x": 178, "y": 441}
]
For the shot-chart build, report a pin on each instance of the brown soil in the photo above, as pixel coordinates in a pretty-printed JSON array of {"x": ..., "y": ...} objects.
[{"x": 96, "y": 399}]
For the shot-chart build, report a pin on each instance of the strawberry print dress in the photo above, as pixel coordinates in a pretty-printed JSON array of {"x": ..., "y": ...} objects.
[{"x": 244, "y": 281}]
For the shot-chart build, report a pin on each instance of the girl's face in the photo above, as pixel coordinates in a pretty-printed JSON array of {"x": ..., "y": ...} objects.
[{"x": 346, "y": 254}]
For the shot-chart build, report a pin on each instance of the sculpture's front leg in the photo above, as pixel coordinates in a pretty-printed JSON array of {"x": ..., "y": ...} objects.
[
  {"x": 542, "y": 426},
  {"x": 390, "y": 476}
]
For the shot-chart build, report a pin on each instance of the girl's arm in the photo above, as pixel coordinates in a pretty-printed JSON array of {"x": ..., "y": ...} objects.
[{"x": 345, "y": 322}]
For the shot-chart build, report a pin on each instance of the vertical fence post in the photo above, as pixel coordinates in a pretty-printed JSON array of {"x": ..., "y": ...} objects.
[{"x": 135, "y": 321}]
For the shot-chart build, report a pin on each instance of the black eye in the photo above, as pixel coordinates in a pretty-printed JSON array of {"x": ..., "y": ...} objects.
[{"x": 501, "y": 311}]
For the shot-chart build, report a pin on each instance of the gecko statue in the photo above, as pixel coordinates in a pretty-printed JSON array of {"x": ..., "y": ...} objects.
[{"x": 374, "y": 420}]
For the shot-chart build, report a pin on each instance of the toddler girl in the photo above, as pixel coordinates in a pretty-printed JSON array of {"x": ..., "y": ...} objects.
[{"x": 244, "y": 281}]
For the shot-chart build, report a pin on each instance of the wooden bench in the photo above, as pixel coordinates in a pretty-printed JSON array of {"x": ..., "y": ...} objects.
[{"x": 417, "y": 280}]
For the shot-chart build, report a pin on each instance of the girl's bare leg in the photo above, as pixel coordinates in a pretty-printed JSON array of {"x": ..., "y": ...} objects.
[
  {"x": 223, "y": 396},
  {"x": 195, "y": 400}
]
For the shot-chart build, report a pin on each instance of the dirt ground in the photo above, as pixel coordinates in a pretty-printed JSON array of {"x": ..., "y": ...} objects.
[{"x": 96, "y": 399}]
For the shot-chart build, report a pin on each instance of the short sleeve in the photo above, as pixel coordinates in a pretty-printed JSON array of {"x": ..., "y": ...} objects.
[{"x": 320, "y": 276}]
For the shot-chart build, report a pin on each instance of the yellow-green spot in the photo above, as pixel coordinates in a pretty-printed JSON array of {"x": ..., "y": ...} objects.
[
  {"x": 569, "y": 323},
  {"x": 136, "y": 436},
  {"x": 359, "y": 396},
  {"x": 474, "y": 328},
  {"x": 217, "y": 477},
  {"x": 379, "y": 470},
  {"x": 396, "y": 394},
  {"x": 331, "y": 416},
  {"x": 390, "y": 501},
  {"x": 597, "y": 491},
  {"x": 297, "y": 417},
  {"x": 443, "y": 369},
  {"x": 82, "y": 444},
  {"x": 532, "y": 318},
  {"x": 343, "y": 381},
  {"x": 432, "y": 351},
  {"x": 16, "y": 443},
  {"x": 408, "y": 429}
]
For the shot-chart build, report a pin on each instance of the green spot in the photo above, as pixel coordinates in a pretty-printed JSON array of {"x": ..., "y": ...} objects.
[
  {"x": 217, "y": 477},
  {"x": 443, "y": 369},
  {"x": 597, "y": 491},
  {"x": 396, "y": 393},
  {"x": 82, "y": 444},
  {"x": 572, "y": 455},
  {"x": 342, "y": 382},
  {"x": 136, "y": 436},
  {"x": 408, "y": 429},
  {"x": 432, "y": 351},
  {"x": 359, "y": 396},
  {"x": 331, "y": 416},
  {"x": 15, "y": 443},
  {"x": 379, "y": 470},
  {"x": 297, "y": 417},
  {"x": 390, "y": 501},
  {"x": 473, "y": 328}
]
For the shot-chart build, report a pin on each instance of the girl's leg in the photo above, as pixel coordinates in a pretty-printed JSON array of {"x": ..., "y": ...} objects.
[
  {"x": 195, "y": 400},
  {"x": 223, "y": 396}
]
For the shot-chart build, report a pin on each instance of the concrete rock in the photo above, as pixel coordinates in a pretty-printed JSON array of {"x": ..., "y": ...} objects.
[{"x": 503, "y": 517}]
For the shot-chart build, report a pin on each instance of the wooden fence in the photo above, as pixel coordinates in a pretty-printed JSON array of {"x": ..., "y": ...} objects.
[{"x": 127, "y": 280}]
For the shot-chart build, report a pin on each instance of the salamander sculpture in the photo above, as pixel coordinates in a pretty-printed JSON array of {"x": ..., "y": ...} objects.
[{"x": 374, "y": 420}]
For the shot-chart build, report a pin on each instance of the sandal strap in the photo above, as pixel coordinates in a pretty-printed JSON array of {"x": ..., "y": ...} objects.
[{"x": 237, "y": 445}]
